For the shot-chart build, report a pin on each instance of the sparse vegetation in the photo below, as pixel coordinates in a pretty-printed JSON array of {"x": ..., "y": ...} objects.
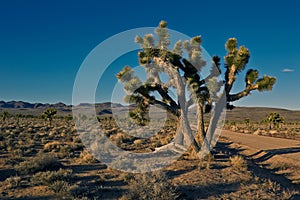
[
  {"x": 40, "y": 163},
  {"x": 151, "y": 185},
  {"x": 34, "y": 157},
  {"x": 51, "y": 159}
]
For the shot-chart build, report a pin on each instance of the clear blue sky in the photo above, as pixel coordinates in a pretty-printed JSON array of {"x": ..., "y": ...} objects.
[{"x": 43, "y": 43}]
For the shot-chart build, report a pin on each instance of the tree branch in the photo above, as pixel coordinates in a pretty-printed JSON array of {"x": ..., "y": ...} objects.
[
  {"x": 239, "y": 95},
  {"x": 173, "y": 110},
  {"x": 163, "y": 94}
]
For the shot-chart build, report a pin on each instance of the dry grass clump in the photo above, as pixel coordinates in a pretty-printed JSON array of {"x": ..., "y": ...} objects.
[
  {"x": 260, "y": 189},
  {"x": 53, "y": 145},
  {"x": 49, "y": 177},
  {"x": 59, "y": 186},
  {"x": 56, "y": 181},
  {"x": 12, "y": 182},
  {"x": 42, "y": 162},
  {"x": 238, "y": 163},
  {"x": 86, "y": 157},
  {"x": 151, "y": 185},
  {"x": 14, "y": 160},
  {"x": 62, "y": 149}
]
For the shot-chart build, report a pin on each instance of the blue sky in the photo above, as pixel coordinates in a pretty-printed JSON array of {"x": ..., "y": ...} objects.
[{"x": 43, "y": 43}]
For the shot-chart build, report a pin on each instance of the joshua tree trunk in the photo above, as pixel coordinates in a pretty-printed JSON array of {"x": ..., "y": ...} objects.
[
  {"x": 184, "y": 136},
  {"x": 200, "y": 124},
  {"x": 183, "y": 118}
]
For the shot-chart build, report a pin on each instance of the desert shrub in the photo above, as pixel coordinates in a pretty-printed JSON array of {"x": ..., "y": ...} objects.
[
  {"x": 59, "y": 186},
  {"x": 53, "y": 145},
  {"x": 12, "y": 182},
  {"x": 238, "y": 162},
  {"x": 62, "y": 150},
  {"x": 271, "y": 187},
  {"x": 42, "y": 162},
  {"x": 78, "y": 192},
  {"x": 86, "y": 157},
  {"x": 151, "y": 185},
  {"x": 126, "y": 177},
  {"x": 49, "y": 177},
  {"x": 14, "y": 160}
]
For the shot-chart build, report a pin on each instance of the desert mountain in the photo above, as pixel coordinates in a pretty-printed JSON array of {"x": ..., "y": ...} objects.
[{"x": 255, "y": 114}]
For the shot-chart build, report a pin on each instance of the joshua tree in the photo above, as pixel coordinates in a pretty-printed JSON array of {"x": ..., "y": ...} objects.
[
  {"x": 235, "y": 62},
  {"x": 49, "y": 114},
  {"x": 5, "y": 115},
  {"x": 247, "y": 122},
  {"x": 274, "y": 119},
  {"x": 184, "y": 74},
  {"x": 68, "y": 117},
  {"x": 18, "y": 116}
]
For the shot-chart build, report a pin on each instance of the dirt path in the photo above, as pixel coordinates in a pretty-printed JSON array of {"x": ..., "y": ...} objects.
[{"x": 268, "y": 145}]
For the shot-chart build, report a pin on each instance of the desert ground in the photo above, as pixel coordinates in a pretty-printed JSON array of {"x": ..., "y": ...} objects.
[{"x": 42, "y": 160}]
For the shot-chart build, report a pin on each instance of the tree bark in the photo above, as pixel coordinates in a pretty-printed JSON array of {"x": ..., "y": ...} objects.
[{"x": 200, "y": 124}]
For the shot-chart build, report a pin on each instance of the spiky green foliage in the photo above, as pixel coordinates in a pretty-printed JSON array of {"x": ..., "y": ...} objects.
[
  {"x": 251, "y": 76},
  {"x": 49, "y": 114},
  {"x": 266, "y": 83},
  {"x": 157, "y": 58},
  {"x": 4, "y": 115},
  {"x": 274, "y": 119},
  {"x": 235, "y": 62}
]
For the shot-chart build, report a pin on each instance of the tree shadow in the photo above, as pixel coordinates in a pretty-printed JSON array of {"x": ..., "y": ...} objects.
[
  {"x": 6, "y": 173},
  {"x": 272, "y": 152},
  {"x": 228, "y": 151},
  {"x": 113, "y": 183},
  {"x": 256, "y": 170},
  {"x": 175, "y": 173},
  {"x": 86, "y": 168},
  {"x": 29, "y": 198},
  {"x": 263, "y": 173},
  {"x": 205, "y": 191}
]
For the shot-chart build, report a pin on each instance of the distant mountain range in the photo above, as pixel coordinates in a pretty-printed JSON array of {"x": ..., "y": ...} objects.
[
  {"x": 22, "y": 107},
  {"x": 107, "y": 108},
  {"x": 21, "y": 104}
]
